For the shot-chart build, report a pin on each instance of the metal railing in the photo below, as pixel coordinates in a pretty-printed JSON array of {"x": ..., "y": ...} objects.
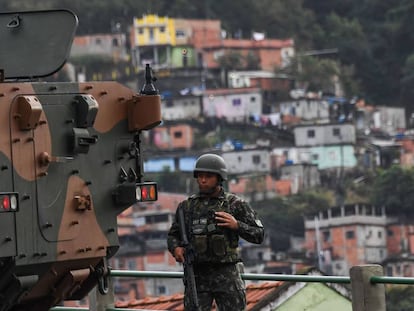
[{"x": 367, "y": 283}]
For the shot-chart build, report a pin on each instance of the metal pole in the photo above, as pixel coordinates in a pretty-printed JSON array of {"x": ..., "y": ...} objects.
[{"x": 99, "y": 302}]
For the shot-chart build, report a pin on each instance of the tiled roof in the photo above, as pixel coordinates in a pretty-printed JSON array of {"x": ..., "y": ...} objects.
[{"x": 254, "y": 294}]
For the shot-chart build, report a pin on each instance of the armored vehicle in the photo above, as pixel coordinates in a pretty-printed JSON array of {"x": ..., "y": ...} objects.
[{"x": 70, "y": 162}]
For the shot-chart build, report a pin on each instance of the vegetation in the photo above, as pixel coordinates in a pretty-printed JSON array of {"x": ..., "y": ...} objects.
[
  {"x": 394, "y": 189},
  {"x": 400, "y": 298},
  {"x": 374, "y": 40}
]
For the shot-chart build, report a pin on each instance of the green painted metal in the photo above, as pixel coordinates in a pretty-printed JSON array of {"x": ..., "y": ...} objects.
[
  {"x": 392, "y": 280},
  {"x": 147, "y": 274},
  {"x": 296, "y": 278},
  {"x": 70, "y": 309},
  {"x": 246, "y": 276},
  {"x": 268, "y": 277}
]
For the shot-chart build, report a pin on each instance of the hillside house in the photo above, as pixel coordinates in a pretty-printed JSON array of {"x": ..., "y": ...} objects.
[
  {"x": 171, "y": 163},
  {"x": 173, "y": 137},
  {"x": 233, "y": 105},
  {"x": 323, "y": 157},
  {"x": 255, "y": 187},
  {"x": 381, "y": 119},
  {"x": 172, "y": 43},
  {"x": 185, "y": 107},
  {"x": 247, "y": 161},
  {"x": 324, "y": 134},
  {"x": 307, "y": 109},
  {"x": 108, "y": 45},
  {"x": 269, "y": 53},
  {"x": 346, "y": 236},
  {"x": 407, "y": 151},
  {"x": 176, "y": 43},
  {"x": 326, "y": 145},
  {"x": 400, "y": 247},
  {"x": 302, "y": 176}
]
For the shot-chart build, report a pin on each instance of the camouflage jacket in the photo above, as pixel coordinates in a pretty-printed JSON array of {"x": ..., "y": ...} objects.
[{"x": 197, "y": 214}]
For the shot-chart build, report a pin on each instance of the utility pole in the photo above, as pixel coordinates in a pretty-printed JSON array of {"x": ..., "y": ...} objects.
[{"x": 318, "y": 243}]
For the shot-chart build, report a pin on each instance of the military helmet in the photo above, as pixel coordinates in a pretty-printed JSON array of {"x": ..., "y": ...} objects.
[{"x": 211, "y": 163}]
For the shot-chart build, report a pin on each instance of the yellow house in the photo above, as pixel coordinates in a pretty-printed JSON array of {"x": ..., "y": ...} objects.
[{"x": 154, "y": 30}]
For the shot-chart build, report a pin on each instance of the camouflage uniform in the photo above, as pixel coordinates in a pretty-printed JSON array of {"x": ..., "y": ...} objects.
[{"x": 216, "y": 249}]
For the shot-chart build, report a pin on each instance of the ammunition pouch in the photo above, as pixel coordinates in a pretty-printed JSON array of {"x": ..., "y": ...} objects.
[
  {"x": 218, "y": 245},
  {"x": 200, "y": 244}
]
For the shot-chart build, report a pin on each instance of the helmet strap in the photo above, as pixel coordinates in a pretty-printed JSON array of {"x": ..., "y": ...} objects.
[{"x": 212, "y": 189}]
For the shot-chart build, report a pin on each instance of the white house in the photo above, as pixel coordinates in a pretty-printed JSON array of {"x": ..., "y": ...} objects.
[
  {"x": 306, "y": 109},
  {"x": 181, "y": 108},
  {"x": 324, "y": 134},
  {"x": 233, "y": 105},
  {"x": 247, "y": 161}
]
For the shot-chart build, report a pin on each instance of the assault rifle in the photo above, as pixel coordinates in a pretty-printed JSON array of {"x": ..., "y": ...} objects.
[{"x": 189, "y": 254}]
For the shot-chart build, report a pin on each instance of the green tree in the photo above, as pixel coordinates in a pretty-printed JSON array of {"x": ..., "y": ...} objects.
[
  {"x": 231, "y": 61},
  {"x": 320, "y": 74},
  {"x": 252, "y": 61},
  {"x": 394, "y": 189},
  {"x": 286, "y": 19},
  {"x": 407, "y": 80},
  {"x": 400, "y": 298},
  {"x": 283, "y": 217}
]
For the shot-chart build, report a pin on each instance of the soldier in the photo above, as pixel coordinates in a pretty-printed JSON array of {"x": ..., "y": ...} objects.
[{"x": 215, "y": 220}]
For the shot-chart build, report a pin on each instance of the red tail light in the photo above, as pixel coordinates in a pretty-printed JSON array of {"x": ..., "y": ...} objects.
[
  {"x": 146, "y": 192},
  {"x": 8, "y": 202}
]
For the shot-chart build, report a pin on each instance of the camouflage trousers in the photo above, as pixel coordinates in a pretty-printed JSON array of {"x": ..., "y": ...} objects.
[{"x": 220, "y": 283}]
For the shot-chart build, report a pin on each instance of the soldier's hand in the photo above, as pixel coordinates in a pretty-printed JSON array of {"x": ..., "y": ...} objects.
[
  {"x": 179, "y": 254},
  {"x": 226, "y": 220}
]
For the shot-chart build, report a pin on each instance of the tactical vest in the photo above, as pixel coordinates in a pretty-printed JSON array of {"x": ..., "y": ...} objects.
[{"x": 212, "y": 244}]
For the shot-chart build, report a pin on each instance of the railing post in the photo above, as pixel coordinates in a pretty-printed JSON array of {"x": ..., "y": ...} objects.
[
  {"x": 99, "y": 302},
  {"x": 367, "y": 296}
]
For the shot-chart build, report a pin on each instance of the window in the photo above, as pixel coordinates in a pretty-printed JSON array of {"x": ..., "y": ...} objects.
[
  {"x": 162, "y": 290},
  {"x": 256, "y": 159},
  {"x": 140, "y": 31},
  {"x": 389, "y": 271},
  {"x": 349, "y": 210},
  {"x": 336, "y": 131},
  {"x": 350, "y": 235},
  {"x": 236, "y": 102},
  {"x": 98, "y": 41},
  {"x": 115, "y": 42},
  {"x": 180, "y": 33},
  {"x": 178, "y": 134},
  {"x": 326, "y": 236},
  {"x": 162, "y": 29},
  {"x": 252, "y": 99},
  {"x": 169, "y": 103},
  {"x": 132, "y": 265},
  {"x": 311, "y": 133}
]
